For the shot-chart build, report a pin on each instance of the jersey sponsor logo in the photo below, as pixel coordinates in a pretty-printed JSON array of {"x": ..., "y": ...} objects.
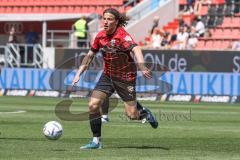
[
  {"x": 223, "y": 99},
  {"x": 180, "y": 98},
  {"x": 47, "y": 93},
  {"x": 17, "y": 93}
]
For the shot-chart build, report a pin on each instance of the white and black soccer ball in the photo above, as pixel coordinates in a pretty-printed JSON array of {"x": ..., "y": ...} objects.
[{"x": 53, "y": 130}]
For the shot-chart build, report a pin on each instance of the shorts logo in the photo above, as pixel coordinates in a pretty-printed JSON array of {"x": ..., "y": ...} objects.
[{"x": 130, "y": 89}]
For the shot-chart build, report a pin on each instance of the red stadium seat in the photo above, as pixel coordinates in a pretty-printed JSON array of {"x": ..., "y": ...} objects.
[
  {"x": 84, "y": 9},
  {"x": 66, "y": 6},
  {"x": 209, "y": 44},
  {"x": 218, "y": 2},
  {"x": 29, "y": 9},
  {"x": 2, "y": 10},
  {"x": 182, "y": 2},
  {"x": 77, "y": 9},
  {"x": 227, "y": 21},
  {"x": 22, "y": 9},
  {"x": 9, "y": 9},
  {"x": 217, "y": 33},
  {"x": 92, "y": 9},
  {"x": 200, "y": 44},
  {"x": 217, "y": 44},
  {"x": 63, "y": 9},
  {"x": 227, "y": 33},
  {"x": 226, "y": 44},
  {"x": 15, "y": 9},
  {"x": 188, "y": 19},
  {"x": 236, "y": 33},
  {"x": 99, "y": 9},
  {"x": 204, "y": 10},
  {"x": 56, "y": 9},
  {"x": 42, "y": 9},
  {"x": 235, "y": 22}
]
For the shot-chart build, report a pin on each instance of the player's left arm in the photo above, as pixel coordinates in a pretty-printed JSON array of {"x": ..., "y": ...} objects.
[{"x": 140, "y": 62}]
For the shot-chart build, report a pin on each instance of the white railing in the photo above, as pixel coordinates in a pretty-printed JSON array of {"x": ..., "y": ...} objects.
[
  {"x": 38, "y": 56},
  {"x": 64, "y": 38},
  {"x": 12, "y": 55},
  {"x": 23, "y": 55}
]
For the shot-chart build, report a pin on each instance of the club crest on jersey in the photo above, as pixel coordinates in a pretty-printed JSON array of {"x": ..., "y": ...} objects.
[
  {"x": 113, "y": 42},
  {"x": 128, "y": 38},
  {"x": 130, "y": 89}
]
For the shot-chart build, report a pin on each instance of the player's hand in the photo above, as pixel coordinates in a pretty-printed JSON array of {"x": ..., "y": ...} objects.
[
  {"x": 146, "y": 73},
  {"x": 76, "y": 79}
]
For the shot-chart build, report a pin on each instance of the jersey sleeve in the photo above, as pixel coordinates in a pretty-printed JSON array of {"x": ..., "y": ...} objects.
[
  {"x": 128, "y": 42},
  {"x": 96, "y": 45}
]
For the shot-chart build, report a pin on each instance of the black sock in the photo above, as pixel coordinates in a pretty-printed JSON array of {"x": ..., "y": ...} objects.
[
  {"x": 142, "y": 112},
  {"x": 105, "y": 106},
  {"x": 96, "y": 124},
  {"x": 139, "y": 106}
]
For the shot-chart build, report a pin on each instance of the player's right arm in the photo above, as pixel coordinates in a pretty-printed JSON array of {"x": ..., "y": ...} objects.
[
  {"x": 88, "y": 58},
  {"x": 84, "y": 66}
]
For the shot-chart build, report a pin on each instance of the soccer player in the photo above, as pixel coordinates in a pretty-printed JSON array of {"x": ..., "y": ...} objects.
[{"x": 119, "y": 74}]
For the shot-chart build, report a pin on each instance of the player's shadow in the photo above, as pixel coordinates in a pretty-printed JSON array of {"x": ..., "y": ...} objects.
[
  {"x": 144, "y": 147},
  {"x": 58, "y": 150},
  {"x": 21, "y": 139}
]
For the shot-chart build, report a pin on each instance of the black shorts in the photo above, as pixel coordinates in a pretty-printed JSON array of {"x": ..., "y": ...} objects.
[{"x": 126, "y": 90}]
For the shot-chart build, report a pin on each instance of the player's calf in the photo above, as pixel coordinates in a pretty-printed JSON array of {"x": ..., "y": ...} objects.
[{"x": 133, "y": 115}]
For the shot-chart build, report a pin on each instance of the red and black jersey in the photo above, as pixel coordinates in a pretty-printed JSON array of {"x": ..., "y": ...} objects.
[{"x": 116, "y": 50}]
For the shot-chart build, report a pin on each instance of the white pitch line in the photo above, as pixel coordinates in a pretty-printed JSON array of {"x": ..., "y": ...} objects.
[{"x": 20, "y": 111}]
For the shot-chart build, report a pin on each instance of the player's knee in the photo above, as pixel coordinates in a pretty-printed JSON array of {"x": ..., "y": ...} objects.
[{"x": 92, "y": 107}]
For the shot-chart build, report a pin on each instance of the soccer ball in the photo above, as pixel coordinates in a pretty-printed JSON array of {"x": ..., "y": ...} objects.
[{"x": 52, "y": 130}]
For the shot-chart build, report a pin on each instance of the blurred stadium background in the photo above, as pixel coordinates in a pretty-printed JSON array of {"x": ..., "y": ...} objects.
[{"x": 197, "y": 40}]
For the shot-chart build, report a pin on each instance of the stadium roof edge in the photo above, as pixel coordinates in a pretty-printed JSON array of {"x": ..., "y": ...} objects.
[{"x": 38, "y": 17}]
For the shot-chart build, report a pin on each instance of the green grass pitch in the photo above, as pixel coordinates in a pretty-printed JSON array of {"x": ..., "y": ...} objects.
[{"x": 187, "y": 131}]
